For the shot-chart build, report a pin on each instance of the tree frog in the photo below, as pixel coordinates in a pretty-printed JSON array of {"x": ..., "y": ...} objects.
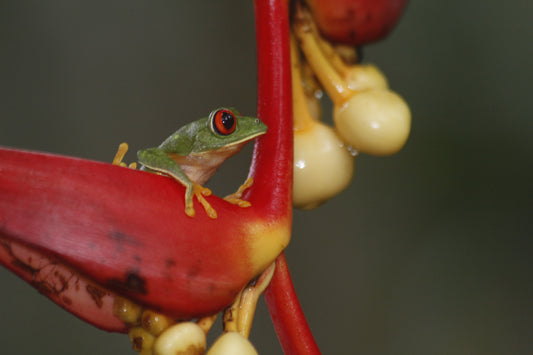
[{"x": 195, "y": 151}]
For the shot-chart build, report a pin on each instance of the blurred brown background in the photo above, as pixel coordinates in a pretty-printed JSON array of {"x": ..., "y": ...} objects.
[{"x": 428, "y": 251}]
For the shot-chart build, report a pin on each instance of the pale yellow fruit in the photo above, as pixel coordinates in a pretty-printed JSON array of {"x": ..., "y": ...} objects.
[
  {"x": 126, "y": 310},
  {"x": 323, "y": 166},
  {"x": 142, "y": 341},
  {"x": 155, "y": 322},
  {"x": 182, "y": 338},
  {"x": 375, "y": 122},
  {"x": 232, "y": 343},
  {"x": 365, "y": 77}
]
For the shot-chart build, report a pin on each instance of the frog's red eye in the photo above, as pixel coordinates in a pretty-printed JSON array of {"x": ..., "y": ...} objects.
[{"x": 223, "y": 122}]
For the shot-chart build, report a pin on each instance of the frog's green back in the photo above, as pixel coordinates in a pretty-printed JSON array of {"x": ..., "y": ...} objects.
[{"x": 181, "y": 142}]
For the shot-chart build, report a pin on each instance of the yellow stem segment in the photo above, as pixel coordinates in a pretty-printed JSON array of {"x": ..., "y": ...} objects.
[
  {"x": 335, "y": 59},
  {"x": 239, "y": 316},
  {"x": 330, "y": 79},
  {"x": 249, "y": 298},
  {"x": 207, "y": 322},
  {"x": 302, "y": 117}
]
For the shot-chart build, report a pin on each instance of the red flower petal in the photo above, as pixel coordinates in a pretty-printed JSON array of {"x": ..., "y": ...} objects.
[{"x": 126, "y": 231}]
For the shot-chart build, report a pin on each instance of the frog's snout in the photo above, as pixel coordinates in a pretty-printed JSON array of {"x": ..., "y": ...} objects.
[{"x": 262, "y": 127}]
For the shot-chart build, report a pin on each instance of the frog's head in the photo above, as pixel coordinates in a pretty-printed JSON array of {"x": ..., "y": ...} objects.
[{"x": 226, "y": 127}]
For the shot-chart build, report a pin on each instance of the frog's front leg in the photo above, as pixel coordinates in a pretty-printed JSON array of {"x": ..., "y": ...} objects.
[
  {"x": 199, "y": 191},
  {"x": 157, "y": 160},
  {"x": 235, "y": 198},
  {"x": 121, "y": 151}
]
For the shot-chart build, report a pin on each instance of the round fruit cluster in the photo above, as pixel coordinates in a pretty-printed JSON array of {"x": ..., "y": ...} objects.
[
  {"x": 369, "y": 117},
  {"x": 153, "y": 333}
]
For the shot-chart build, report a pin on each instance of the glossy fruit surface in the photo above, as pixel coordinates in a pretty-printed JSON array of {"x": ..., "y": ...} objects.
[{"x": 356, "y": 22}]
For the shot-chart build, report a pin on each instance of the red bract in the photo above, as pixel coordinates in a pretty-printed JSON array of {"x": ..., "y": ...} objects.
[
  {"x": 356, "y": 22},
  {"x": 126, "y": 231}
]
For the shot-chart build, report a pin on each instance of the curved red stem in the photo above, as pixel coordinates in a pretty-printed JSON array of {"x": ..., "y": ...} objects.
[
  {"x": 275, "y": 101},
  {"x": 272, "y": 160},
  {"x": 287, "y": 315}
]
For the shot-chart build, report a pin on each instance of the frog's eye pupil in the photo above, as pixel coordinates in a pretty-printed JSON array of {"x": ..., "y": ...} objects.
[{"x": 224, "y": 122}]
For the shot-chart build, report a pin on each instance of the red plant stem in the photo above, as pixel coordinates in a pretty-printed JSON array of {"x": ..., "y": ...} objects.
[
  {"x": 275, "y": 102},
  {"x": 289, "y": 320},
  {"x": 272, "y": 160}
]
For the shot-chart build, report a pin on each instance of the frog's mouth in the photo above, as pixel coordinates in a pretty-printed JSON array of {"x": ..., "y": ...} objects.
[{"x": 242, "y": 141}]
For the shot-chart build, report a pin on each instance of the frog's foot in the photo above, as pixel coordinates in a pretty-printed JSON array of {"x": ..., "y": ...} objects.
[
  {"x": 121, "y": 151},
  {"x": 199, "y": 191},
  {"x": 235, "y": 198}
]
